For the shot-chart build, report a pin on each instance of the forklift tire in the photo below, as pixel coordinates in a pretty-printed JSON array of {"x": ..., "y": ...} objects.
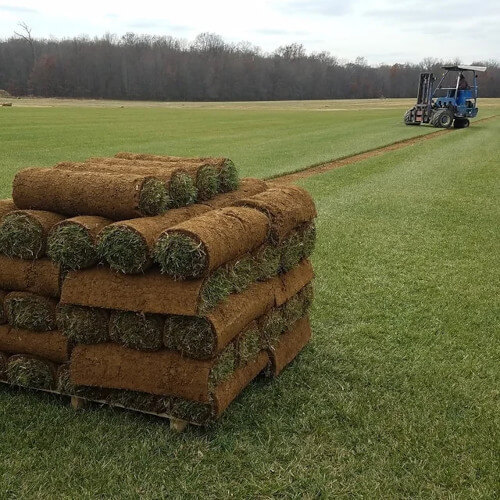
[
  {"x": 461, "y": 123},
  {"x": 442, "y": 118},
  {"x": 407, "y": 118}
]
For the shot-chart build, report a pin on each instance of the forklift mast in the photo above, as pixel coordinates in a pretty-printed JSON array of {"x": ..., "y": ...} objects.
[{"x": 424, "y": 97}]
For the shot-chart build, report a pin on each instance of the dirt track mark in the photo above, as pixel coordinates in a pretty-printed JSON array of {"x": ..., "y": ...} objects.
[{"x": 341, "y": 162}]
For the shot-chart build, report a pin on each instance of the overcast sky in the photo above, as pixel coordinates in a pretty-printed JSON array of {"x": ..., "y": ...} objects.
[{"x": 379, "y": 30}]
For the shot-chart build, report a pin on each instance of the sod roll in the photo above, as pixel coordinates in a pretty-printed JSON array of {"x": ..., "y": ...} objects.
[
  {"x": 249, "y": 344},
  {"x": 28, "y": 371},
  {"x": 160, "y": 372},
  {"x": 204, "y": 175},
  {"x": 38, "y": 276},
  {"x": 73, "y": 242},
  {"x": 49, "y": 345},
  {"x": 155, "y": 293},
  {"x": 287, "y": 207},
  {"x": 23, "y": 233},
  {"x": 120, "y": 196},
  {"x": 228, "y": 174},
  {"x": 127, "y": 246},
  {"x": 137, "y": 330},
  {"x": 30, "y": 311},
  {"x": 83, "y": 325},
  {"x": 198, "y": 246},
  {"x": 6, "y": 206},
  {"x": 289, "y": 346}
]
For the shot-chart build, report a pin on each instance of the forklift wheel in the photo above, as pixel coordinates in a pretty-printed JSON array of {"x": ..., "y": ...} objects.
[
  {"x": 461, "y": 123},
  {"x": 407, "y": 118},
  {"x": 442, "y": 118}
]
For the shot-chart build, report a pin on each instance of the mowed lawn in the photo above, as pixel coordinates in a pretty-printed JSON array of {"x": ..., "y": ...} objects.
[
  {"x": 261, "y": 142},
  {"x": 397, "y": 395}
]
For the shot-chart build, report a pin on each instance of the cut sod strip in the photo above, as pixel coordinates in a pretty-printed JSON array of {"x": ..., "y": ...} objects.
[
  {"x": 194, "y": 248},
  {"x": 137, "y": 330},
  {"x": 287, "y": 208},
  {"x": 23, "y": 233},
  {"x": 72, "y": 242},
  {"x": 30, "y": 311},
  {"x": 127, "y": 246},
  {"x": 83, "y": 325},
  {"x": 30, "y": 372},
  {"x": 117, "y": 197}
]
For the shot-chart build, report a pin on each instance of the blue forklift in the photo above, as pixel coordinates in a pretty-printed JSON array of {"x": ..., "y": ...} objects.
[{"x": 443, "y": 106}]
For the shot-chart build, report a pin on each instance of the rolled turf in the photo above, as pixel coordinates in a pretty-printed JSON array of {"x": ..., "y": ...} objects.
[
  {"x": 73, "y": 242},
  {"x": 23, "y": 233},
  {"x": 83, "y": 325},
  {"x": 249, "y": 344},
  {"x": 194, "y": 248},
  {"x": 127, "y": 245},
  {"x": 117, "y": 197},
  {"x": 3, "y": 317},
  {"x": 4, "y": 358},
  {"x": 30, "y": 372},
  {"x": 247, "y": 187},
  {"x": 137, "y": 330},
  {"x": 30, "y": 311}
]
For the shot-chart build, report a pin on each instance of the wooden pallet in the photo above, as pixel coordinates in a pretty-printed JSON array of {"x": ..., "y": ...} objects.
[{"x": 80, "y": 403}]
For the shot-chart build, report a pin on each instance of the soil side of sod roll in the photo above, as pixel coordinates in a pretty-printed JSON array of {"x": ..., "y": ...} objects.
[
  {"x": 248, "y": 187},
  {"x": 49, "y": 345},
  {"x": 287, "y": 207},
  {"x": 7, "y": 205},
  {"x": 30, "y": 311},
  {"x": 289, "y": 346},
  {"x": 290, "y": 283},
  {"x": 37, "y": 276},
  {"x": 28, "y": 371},
  {"x": 159, "y": 372},
  {"x": 127, "y": 245},
  {"x": 83, "y": 325},
  {"x": 194, "y": 248},
  {"x": 23, "y": 233},
  {"x": 117, "y": 197},
  {"x": 73, "y": 242}
]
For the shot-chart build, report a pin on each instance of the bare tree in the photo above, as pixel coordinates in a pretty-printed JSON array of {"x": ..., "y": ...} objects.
[{"x": 26, "y": 36}]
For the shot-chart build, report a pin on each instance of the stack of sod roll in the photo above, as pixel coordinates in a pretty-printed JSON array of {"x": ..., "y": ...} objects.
[{"x": 158, "y": 283}]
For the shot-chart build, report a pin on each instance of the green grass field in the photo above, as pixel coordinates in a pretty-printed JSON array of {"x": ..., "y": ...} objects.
[{"x": 398, "y": 394}]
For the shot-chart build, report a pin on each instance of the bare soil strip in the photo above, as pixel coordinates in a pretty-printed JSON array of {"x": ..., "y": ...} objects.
[{"x": 341, "y": 162}]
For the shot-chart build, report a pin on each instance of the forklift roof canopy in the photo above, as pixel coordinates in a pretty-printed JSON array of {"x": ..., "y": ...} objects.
[{"x": 465, "y": 68}]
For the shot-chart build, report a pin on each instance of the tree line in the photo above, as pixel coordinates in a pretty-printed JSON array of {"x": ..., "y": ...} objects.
[{"x": 165, "y": 68}]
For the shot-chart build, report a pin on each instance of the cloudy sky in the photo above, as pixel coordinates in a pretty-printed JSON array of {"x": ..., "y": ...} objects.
[{"x": 379, "y": 30}]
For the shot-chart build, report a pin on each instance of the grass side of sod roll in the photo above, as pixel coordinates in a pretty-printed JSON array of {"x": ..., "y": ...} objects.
[
  {"x": 31, "y": 312},
  {"x": 154, "y": 199},
  {"x": 190, "y": 335},
  {"x": 249, "y": 343},
  {"x": 30, "y": 372},
  {"x": 83, "y": 325},
  {"x": 123, "y": 248},
  {"x": 228, "y": 177},
  {"x": 21, "y": 236},
  {"x": 72, "y": 246},
  {"x": 182, "y": 190},
  {"x": 136, "y": 330},
  {"x": 224, "y": 366},
  {"x": 207, "y": 183}
]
